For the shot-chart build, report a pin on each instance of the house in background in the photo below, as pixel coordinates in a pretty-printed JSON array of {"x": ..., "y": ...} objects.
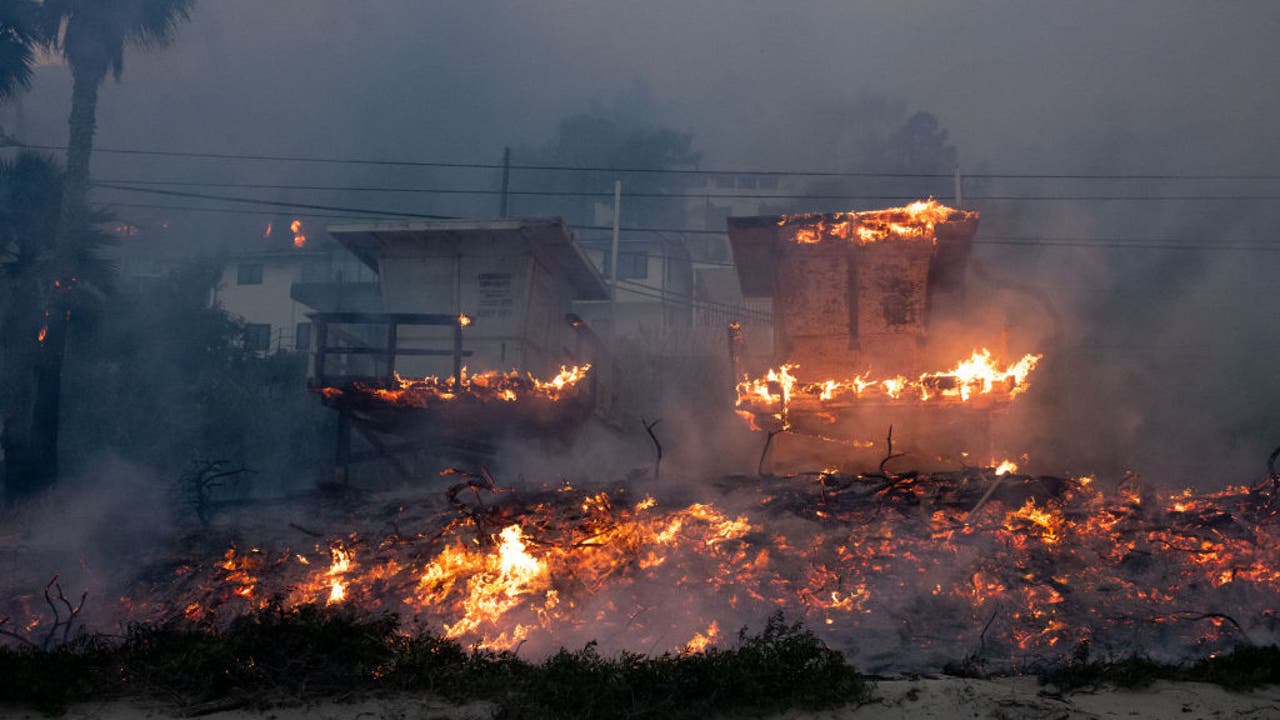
[
  {"x": 273, "y": 290},
  {"x": 652, "y": 304},
  {"x": 723, "y": 195}
]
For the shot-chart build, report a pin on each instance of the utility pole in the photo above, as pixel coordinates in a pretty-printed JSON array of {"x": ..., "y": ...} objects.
[
  {"x": 613, "y": 258},
  {"x": 506, "y": 181},
  {"x": 959, "y": 197}
]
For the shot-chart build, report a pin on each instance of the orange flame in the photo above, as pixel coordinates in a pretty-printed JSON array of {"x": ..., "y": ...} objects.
[
  {"x": 299, "y": 239},
  {"x": 490, "y": 385},
  {"x": 915, "y": 221},
  {"x": 978, "y": 376},
  {"x": 582, "y": 564}
]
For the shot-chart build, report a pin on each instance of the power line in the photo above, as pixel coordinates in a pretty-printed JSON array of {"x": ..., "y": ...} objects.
[
  {"x": 276, "y": 203},
  {"x": 692, "y": 302},
  {"x": 662, "y": 171},
  {"x": 227, "y": 211},
  {"x": 1138, "y": 243},
  {"x": 676, "y": 196}
]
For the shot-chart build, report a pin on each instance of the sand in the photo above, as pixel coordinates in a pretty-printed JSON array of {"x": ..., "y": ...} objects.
[{"x": 949, "y": 698}]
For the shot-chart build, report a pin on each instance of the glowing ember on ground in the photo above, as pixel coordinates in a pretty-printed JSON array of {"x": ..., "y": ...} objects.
[
  {"x": 904, "y": 573},
  {"x": 1004, "y": 467}
]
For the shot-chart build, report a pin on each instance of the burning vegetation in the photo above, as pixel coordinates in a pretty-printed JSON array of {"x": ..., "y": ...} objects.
[
  {"x": 902, "y": 571},
  {"x": 980, "y": 568}
]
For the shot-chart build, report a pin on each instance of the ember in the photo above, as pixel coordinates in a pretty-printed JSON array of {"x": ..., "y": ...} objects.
[{"x": 908, "y": 570}]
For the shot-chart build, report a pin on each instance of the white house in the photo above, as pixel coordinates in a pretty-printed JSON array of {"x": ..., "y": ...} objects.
[{"x": 273, "y": 290}]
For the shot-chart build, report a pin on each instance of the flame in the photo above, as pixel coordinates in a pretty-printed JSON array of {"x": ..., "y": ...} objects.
[
  {"x": 267, "y": 234},
  {"x": 1005, "y": 467},
  {"x": 568, "y": 565},
  {"x": 977, "y": 376},
  {"x": 490, "y": 385},
  {"x": 915, "y": 221},
  {"x": 341, "y": 564},
  {"x": 700, "y": 642},
  {"x": 44, "y": 332},
  {"x": 299, "y": 239},
  {"x": 463, "y": 320}
]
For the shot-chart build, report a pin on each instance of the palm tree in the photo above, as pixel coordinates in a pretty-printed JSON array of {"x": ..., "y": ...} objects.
[
  {"x": 91, "y": 35},
  {"x": 30, "y": 197},
  {"x": 17, "y": 45}
]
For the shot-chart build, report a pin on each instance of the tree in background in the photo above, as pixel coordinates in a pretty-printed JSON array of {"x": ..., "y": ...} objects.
[
  {"x": 876, "y": 134},
  {"x": 91, "y": 35},
  {"x": 608, "y": 139},
  {"x": 30, "y": 199},
  {"x": 163, "y": 380}
]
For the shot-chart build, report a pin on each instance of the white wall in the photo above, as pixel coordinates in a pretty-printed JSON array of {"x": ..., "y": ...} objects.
[{"x": 267, "y": 303}]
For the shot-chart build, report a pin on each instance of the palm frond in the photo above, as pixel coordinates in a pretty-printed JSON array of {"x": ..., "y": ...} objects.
[
  {"x": 154, "y": 23},
  {"x": 18, "y": 40},
  {"x": 94, "y": 33}
]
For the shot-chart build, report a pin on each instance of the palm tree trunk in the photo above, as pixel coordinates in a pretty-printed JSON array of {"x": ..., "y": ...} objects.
[
  {"x": 20, "y": 327},
  {"x": 72, "y": 217},
  {"x": 47, "y": 411},
  {"x": 82, "y": 125}
]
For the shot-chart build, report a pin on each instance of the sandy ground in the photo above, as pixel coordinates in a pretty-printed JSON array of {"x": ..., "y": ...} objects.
[{"x": 1000, "y": 699}]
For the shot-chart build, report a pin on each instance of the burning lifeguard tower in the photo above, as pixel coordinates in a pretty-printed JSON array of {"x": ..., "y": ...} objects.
[
  {"x": 477, "y": 342},
  {"x": 854, "y": 295}
]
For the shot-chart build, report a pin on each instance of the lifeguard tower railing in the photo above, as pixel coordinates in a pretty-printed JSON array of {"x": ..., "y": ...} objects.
[{"x": 351, "y": 337}]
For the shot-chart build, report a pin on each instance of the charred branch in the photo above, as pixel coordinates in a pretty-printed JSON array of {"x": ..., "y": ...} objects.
[
  {"x": 65, "y": 616},
  {"x": 202, "y": 478},
  {"x": 475, "y": 482},
  {"x": 657, "y": 446}
]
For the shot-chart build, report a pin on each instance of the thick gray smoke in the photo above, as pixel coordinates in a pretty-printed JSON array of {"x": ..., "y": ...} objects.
[{"x": 1157, "y": 359}]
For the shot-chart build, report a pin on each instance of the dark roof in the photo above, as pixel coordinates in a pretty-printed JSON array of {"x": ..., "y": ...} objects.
[{"x": 549, "y": 238}]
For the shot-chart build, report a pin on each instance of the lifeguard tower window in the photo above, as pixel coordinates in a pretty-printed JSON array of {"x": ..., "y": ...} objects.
[{"x": 249, "y": 274}]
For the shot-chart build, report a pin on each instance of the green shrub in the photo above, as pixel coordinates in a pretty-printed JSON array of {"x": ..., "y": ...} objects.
[{"x": 279, "y": 655}]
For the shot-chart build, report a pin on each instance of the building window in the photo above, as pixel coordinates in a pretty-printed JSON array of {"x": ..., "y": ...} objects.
[
  {"x": 249, "y": 274},
  {"x": 633, "y": 266},
  {"x": 257, "y": 337},
  {"x": 302, "y": 337}
]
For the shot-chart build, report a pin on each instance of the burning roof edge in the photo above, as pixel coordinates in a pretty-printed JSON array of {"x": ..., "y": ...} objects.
[
  {"x": 757, "y": 240},
  {"x": 549, "y": 238}
]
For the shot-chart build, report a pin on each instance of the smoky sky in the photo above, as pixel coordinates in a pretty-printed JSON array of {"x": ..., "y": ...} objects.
[
  {"x": 1017, "y": 83},
  {"x": 1143, "y": 87}
]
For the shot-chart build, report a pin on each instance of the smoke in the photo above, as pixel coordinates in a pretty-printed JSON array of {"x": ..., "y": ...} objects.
[
  {"x": 92, "y": 532},
  {"x": 1157, "y": 359}
]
